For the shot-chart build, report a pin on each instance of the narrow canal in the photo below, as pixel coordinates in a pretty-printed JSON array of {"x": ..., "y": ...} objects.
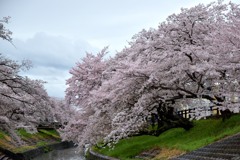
[{"x": 65, "y": 154}]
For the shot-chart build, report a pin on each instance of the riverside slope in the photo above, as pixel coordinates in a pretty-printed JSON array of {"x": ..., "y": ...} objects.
[{"x": 225, "y": 149}]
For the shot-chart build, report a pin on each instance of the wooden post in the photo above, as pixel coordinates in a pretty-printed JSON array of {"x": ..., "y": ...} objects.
[
  {"x": 185, "y": 114},
  {"x": 217, "y": 112}
]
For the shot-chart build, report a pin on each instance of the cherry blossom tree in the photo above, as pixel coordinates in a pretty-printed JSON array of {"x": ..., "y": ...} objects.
[
  {"x": 24, "y": 103},
  {"x": 86, "y": 77},
  {"x": 61, "y": 112},
  {"x": 5, "y": 33},
  {"x": 192, "y": 55}
]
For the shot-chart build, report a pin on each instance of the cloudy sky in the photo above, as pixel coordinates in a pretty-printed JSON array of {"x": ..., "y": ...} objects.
[{"x": 55, "y": 34}]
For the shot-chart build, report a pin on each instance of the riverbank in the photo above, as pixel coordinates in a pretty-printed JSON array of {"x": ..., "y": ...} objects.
[
  {"x": 32, "y": 144},
  {"x": 30, "y": 154},
  {"x": 175, "y": 141},
  {"x": 64, "y": 154}
]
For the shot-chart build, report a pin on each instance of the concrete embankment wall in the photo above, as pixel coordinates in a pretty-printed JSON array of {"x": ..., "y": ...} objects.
[
  {"x": 28, "y": 155},
  {"x": 96, "y": 156}
]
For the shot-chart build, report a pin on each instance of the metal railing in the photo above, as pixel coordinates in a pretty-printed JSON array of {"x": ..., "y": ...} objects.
[{"x": 198, "y": 113}]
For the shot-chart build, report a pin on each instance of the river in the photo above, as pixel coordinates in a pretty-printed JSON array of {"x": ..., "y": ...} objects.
[{"x": 65, "y": 154}]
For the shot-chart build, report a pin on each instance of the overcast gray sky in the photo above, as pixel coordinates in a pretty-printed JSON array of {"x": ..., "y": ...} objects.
[{"x": 54, "y": 34}]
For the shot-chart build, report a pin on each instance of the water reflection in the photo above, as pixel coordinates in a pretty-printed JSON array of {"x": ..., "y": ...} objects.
[{"x": 65, "y": 154}]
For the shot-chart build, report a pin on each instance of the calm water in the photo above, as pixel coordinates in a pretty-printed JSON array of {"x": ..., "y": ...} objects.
[{"x": 65, "y": 154}]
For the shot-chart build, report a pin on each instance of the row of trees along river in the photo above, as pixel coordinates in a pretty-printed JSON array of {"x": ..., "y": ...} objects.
[{"x": 191, "y": 57}]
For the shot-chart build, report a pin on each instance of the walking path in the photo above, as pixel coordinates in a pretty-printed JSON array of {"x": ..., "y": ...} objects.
[{"x": 226, "y": 149}]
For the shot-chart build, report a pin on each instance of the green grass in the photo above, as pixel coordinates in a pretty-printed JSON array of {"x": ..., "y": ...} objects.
[
  {"x": 23, "y": 133},
  {"x": 44, "y": 144},
  {"x": 23, "y": 149},
  {"x": 204, "y": 132},
  {"x": 3, "y": 134},
  {"x": 52, "y": 133},
  {"x": 32, "y": 141},
  {"x": 41, "y": 143},
  {"x": 39, "y": 139}
]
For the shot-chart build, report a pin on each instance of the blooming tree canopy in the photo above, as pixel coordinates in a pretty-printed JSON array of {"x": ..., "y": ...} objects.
[
  {"x": 24, "y": 103},
  {"x": 86, "y": 78},
  {"x": 5, "y": 33},
  {"x": 192, "y": 55}
]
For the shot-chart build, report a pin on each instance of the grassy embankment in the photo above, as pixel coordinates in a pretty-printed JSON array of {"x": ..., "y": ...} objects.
[
  {"x": 176, "y": 141},
  {"x": 31, "y": 141}
]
